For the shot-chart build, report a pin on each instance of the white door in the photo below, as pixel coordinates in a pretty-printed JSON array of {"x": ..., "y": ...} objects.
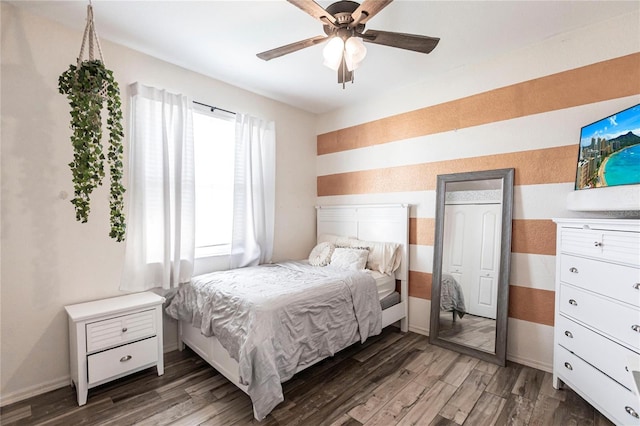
[{"x": 471, "y": 254}]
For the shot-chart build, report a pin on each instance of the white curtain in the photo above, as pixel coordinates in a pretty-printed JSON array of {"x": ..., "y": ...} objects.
[
  {"x": 254, "y": 192},
  {"x": 160, "y": 240}
]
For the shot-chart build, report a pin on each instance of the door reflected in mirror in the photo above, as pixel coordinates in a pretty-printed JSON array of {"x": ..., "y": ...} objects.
[{"x": 471, "y": 253}]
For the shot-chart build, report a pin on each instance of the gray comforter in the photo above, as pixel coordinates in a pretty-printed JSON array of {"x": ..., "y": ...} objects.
[
  {"x": 451, "y": 296},
  {"x": 273, "y": 319}
]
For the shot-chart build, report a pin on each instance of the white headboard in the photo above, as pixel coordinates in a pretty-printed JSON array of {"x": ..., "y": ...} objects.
[{"x": 373, "y": 222}]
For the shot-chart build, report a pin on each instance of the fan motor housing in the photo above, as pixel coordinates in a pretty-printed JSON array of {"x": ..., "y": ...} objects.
[{"x": 342, "y": 11}]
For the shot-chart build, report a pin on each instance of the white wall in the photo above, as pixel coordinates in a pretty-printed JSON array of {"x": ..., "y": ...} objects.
[{"x": 48, "y": 259}]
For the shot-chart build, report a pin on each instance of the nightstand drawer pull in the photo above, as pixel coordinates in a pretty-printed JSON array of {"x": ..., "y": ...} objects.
[
  {"x": 636, "y": 328},
  {"x": 124, "y": 329},
  {"x": 573, "y": 302},
  {"x": 573, "y": 270},
  {"x": 568, "y": 334},
  {"x": 631, "y": 411},
  {"x": 597, "y": 244},
  {"x": 636, "y": 286},
  {"x": 569, "y": 367},
  {"x": 125, "y": 358}
]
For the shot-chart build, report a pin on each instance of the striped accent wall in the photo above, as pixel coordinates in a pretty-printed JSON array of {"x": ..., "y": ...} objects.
[
  {"x": 532, "y": 126},
  {"x": 558, "y": 91}
]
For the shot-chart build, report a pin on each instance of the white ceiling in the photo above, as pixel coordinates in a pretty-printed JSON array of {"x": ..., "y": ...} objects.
[{"x": 221, "y": 38}]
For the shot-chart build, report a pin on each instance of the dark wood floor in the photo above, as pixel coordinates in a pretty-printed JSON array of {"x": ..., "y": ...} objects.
[{"x": 393, "y": 379}]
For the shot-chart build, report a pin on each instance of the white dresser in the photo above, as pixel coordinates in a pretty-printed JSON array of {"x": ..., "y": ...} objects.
[
  {"x": 597, "y": 316},
  {"x": 111, "y": 338}
]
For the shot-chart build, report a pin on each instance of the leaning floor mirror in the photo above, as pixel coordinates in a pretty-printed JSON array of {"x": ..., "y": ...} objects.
[{"x": 471, "y": 262}]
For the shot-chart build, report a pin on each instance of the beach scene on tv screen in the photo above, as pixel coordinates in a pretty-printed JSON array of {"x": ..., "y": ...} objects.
[{"x": 610, "y": 151}]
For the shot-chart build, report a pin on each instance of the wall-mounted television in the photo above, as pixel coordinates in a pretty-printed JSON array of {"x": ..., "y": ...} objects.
[{"x": 609, "y": 151}]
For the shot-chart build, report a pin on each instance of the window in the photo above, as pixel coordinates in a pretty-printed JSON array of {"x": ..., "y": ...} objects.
[{"x": 213, "y": 140}]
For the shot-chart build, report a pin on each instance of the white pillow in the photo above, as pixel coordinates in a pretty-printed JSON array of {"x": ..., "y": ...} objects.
[
  {"x": 383, "y": 257},
  {"x": 321, "y": 254},
  {"x": 349, "y": 258}
]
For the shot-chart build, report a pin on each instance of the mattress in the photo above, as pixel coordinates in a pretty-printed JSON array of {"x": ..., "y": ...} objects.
[
  {"x": 386, "y": 283},
  {"x": 390, "y": 300}
]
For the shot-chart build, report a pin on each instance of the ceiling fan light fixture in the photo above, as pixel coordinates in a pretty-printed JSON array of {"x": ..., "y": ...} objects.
[
  {"x": 333, "y": 53},
  {"x": 354, "y": 52}
]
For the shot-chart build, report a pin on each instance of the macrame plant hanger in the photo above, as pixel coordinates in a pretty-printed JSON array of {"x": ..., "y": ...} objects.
[{"x": 90, "y": 38}]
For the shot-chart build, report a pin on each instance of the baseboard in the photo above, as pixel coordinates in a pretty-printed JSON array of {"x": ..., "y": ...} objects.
[
  {"x": 530, "y": 363},
  {"x": 511, "y": 357},
  {"x": 41, "y": 388},
  {"x": 170, "y": 348},
  {"x": 419, "y": 330},
  {"x": 34, "y": 390}
]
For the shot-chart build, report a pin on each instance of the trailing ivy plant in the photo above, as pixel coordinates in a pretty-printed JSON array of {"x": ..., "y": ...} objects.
[{"x": 87, "y": 86}]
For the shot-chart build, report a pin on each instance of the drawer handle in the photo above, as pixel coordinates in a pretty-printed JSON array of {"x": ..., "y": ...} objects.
[
  {"x": 631, "y": 411},
  {"x": 573, "y": 302},
  {"x": 568, "y": 334},
  {"x": 125, "y": 358},
  {"x": 636, "y": 286},
  {"x": 124, "y": 329},
  {"x": 573, "y": 269},
  {"x": 636, "y": 327},
  {"x": 597, "y": 244},
  {"x": 569, "y": 367}
]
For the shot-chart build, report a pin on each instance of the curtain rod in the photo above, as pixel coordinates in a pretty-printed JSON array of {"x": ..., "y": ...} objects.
[{"x": 213, "y": 108}]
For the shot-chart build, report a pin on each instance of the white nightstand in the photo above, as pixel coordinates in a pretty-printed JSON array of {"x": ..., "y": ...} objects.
[{"x": 112, "y": 338}]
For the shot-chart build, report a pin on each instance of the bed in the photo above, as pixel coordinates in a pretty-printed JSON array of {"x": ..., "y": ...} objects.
[
  {"x": 451, "y": 296},
  {"x": 266, "y": 323}
]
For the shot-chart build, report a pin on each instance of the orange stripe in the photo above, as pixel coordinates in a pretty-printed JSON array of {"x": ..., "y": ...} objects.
[
  {"x": 421, "y": 231},
  {"x": 420, "y": 285},
  {"x": 540, "y": 166},
  {"x": 579, "y": 86},
  {"x": 532, "y": 236},
  {"x": 530, "y": 304},
  {"x": 535, "y": 236},
  {"x": 527, "y": 304}
]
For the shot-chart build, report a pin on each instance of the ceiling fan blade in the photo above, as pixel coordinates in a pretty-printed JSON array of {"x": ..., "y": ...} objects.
[
  {"x": 290, "y": 48},
  {"x": 417, "y": 43},
  {"x": 367, "y": 10},
  {"x": 315, "y": 10}
]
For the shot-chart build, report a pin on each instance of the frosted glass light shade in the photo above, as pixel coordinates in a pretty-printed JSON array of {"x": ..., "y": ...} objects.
[
  {"x": 333, "y": 52},
  {"x": 354, "y": 52}
]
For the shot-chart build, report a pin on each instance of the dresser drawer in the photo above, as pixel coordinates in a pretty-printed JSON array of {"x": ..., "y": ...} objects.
[
  {"x": 120, "y": 330},
  {"x": 610, "y": 357},
  {"x": 616, "y": 281},
  {"x": 614, "y": 319},
  {"x": 618, "y": 246},
  {"x": 121, "y": 360},
  {"x": 615, "y": 401}
]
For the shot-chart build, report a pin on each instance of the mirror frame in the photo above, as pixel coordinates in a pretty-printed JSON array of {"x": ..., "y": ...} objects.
[{"x": 507, "y": 176}]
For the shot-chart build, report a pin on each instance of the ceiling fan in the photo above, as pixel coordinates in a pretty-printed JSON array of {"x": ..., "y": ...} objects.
[{"x": 343, "y": 23}]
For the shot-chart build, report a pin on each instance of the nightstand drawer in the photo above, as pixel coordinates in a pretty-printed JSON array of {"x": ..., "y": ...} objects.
[
  {"x": 121, "y": 360},
  {"x": 120, "y": 330},
  {"x": 619, "y": 321},
  {"x": 610, "y": 357},
  {"x": 617, "y": 281}
]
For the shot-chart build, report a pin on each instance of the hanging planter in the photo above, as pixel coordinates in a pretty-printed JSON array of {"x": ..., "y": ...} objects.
[{"x": 89, "y": 85}]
